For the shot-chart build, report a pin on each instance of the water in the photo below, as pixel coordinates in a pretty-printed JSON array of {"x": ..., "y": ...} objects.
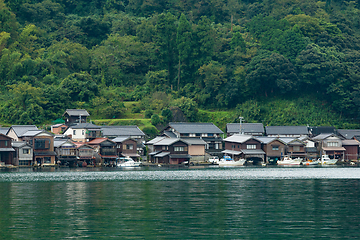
[{"x": 207, "y": 203}]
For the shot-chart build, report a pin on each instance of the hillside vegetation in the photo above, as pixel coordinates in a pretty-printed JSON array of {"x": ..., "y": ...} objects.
[{"x": 281, "y": 62}]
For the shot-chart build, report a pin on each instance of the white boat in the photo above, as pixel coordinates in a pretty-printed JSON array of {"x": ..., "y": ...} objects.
[
  {"x": 289, "y": 161},
  {"x": 311, "y": 162},
  {"x": 227, "y": 161},
  {"x": 128, "y": 162},
  {"x": 213, "y": 160},
  {"x": 325, "y": 160}
]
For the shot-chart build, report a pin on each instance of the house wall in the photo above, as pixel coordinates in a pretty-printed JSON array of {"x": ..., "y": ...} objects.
[
  {"x": 46, "y": 150},
  {"x": 238, "y": 146},
  {"x": 124, "y": 149},
  {"x": 77, "y": 135},
  {"x": 197, "y": 150},
  {"x": 270, "y": 151},
  {"x": 6, "y": 156},
  {"x": 330, "y": 141},
  {"x": 13, "y": 135},
  {"x": 59, "y": 129},
  {"x": 351, "y": 153}
]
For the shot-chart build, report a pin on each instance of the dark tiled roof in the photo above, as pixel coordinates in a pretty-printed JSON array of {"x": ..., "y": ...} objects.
[
  {"x": 286, "y": 130},
  {"x": 122, "y": 131},
  {"x": 349, "y": 133},
  {"x": 76, "y": 112},
  {"x": 247, "y": 127},
  {"x": 183, "y": 127},
  {"x": 85, "y": 126}
]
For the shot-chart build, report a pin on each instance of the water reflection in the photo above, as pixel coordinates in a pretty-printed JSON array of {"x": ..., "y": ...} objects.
[{"x": 178, "y": 204}]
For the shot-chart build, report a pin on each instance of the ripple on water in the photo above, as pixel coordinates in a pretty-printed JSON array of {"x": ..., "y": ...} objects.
[{"x": 184, "y": 174}]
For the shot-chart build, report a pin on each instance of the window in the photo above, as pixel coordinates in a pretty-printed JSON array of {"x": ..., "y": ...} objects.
[
  {"x": 296, "y": 148},
  {"x": 179, "y": 149},
  {"x": 26, "y": 151},
  {"x": 251, "y": 146},
  {"x": 74, "y": 132},
  {"x": 192, "y": 135},
  {"x": 275, "y": 148},
  {"x": 333, "y": 144},
  {"x": 82, "y": 132},
  {"x": 129, "y": 146},
  {"x": 165, "y": 148},
  {"x": 42, "y": 144},
  {"x": 204, "y": 135}
]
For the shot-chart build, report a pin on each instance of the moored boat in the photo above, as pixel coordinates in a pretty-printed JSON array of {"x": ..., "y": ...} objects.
[
  {"x": 310, "y": 162},
  {"x": 128, "y": 162},
  {"x": 227, "y": 161},
  {"x": 325, "y": 160},
  {"x": 289, "y": 161}
]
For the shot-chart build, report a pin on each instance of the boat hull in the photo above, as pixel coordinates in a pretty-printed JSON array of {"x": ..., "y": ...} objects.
[{"x": 231, "y": 163}]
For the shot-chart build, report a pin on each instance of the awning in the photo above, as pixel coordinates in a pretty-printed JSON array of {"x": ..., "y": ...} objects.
[
  {"x": 252, "y": 151},
  {"x": 334, "y": 149},
  {"x": 7, "y": 150},
  {"x": 162, "y": 154},
  {"x": 180, "y": 156},
  {"x": 231, "y": 152}
]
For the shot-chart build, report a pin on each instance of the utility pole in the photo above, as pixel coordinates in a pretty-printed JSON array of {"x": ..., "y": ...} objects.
[{"x": 241, "y": 130}]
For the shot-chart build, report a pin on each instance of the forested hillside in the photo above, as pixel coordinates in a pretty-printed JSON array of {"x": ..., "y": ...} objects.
[{"x": 276, "y": 62}]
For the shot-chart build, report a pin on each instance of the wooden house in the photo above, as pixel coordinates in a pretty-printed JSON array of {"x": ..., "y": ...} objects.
[
  {"x": 106, "y": 149},
  {"x": 6, "y": 150},
  {"x": 75, "y": 116},
  {"x": 58, "y": 128},
  {"x": 126, "y": 147},
  {"x": 294, "y": 148},
  {"x": 351, "y": 149},
  {"x": 66, "y": 152},
  {"x": 23, "y": 155},
  {"x": 16, "y": 131},
  {"x": 274, "y": 148},
  {"x": 83, "y": 132},
  {"x": 86, "y": 154},
  {"x": 330, "y": 144},
  {"x": 170, "y": 151},
  {"x": 244, "y": 146}
]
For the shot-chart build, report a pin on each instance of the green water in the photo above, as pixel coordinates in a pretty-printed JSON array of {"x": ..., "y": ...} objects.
[{"x": 244, "y": 203}]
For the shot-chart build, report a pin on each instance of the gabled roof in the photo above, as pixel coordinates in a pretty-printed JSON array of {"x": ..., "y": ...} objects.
[
  {"x": 155, "y": 140},
  {"x": 349, "y": 133},
  {"x": 32, "y": 133},
  {"x": 131, "y": 130},
  {"x": 98, "y": 141},
  {"x": 239, "y": 138},
  {"x": 246, "y": 127},
  {"x": 168, "y": 141},
  {"x": 76, "y": 112},
  {"x": 86, "y": 126},
  {"x": 194, "y": 141},
  {"x": 4, "y": 130},
  {"x": 185, "y": 127},
  {"x": 169, "y": 134},
  {"x": 59, "y": 143},
  {"x": 21, "y": 129},
  {"x": 324, "y": 136},
  {"x": 286, "y": 130},
  {"x": 293, "y": 141},
  {"x": 121, "y": 139},
  {"x": 267, "y": 140}
]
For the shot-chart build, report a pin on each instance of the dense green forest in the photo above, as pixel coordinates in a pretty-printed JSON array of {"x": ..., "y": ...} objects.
[{"x": 279, "y": 62}]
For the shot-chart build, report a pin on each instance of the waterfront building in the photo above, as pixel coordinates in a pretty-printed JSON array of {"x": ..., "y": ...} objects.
[
  {"x": 75, "y": 116},
  {"x": 253, "y": 129}
]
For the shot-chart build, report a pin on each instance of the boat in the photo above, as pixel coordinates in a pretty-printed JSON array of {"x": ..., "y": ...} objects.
[
  {"x": 128, "y": 162},
  {"x": 227, "y": 161},
  {"x": 325, "y": 160},
  {"x": 289, "y": 161},
  {"x": 310, "y": 162},
  {"x": 214, "y": 160}
]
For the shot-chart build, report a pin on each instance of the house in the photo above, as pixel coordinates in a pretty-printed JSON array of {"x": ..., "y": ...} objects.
[
  {"x": 58, "y": 128},
  {"x": 170, "y": 151},
  {"x": 351, "y": 149},
  {"x": 286, "y": 131},
  {"x": 244, "y": 146},
  {"x": 126, "y": 147},
  {"x": 66, "y": 152},
  {"x": 16, "y": 131},
  {"x": 106, "y": 149},
  {"x": 23, "y": 155},
  {"x": 131, "y": 131},
  {"x": 75, "y": 116},
  {"x": 316, "y": 130},
  {"x": 254, "y": 129},
  {"x": 42, "y": 143},
  {"x": 6, "y": 150},
  {"x": 294, "y": 147},
  {"x": 196, "y": 147},
  {"x": 86, "y": 154},
  {"x": 84, "y": 132},
  {"x": 208, "y": 132},
  {"x": 274, "y": 148},
  {"x": 310, "y": 148},
  {"x": 150, "y": 144},
  {"x": 330, "y": 144}
]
